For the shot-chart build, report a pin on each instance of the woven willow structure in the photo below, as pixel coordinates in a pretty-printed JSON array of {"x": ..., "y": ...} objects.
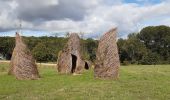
[
  {"x": 22, "y": 64},
  {"x": 70, "y": 59},
  {"x": 107, "y": 58}
]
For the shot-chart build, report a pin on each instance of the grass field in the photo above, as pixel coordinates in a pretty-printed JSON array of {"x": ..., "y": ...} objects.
[{"x": 136, "y": 82}]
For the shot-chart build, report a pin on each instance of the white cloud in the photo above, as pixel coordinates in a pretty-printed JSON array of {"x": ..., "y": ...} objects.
[{"x": 96, "y": 16}]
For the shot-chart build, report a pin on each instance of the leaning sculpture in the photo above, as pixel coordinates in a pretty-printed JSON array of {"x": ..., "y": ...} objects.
[{"x": 107, "y": 58}]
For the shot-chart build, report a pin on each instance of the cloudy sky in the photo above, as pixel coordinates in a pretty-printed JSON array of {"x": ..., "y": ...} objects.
[{"x": 93, "y": 17}]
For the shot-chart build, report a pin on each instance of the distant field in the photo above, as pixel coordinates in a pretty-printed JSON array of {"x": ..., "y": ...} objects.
[{"x": 136, "y": 82}]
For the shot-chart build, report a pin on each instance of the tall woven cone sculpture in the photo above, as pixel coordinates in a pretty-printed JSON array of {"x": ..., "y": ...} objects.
[
  {"x": 22, "y": 64},
  {"x": 70, "y": 59},
  {"x": 107, "y": 58}
]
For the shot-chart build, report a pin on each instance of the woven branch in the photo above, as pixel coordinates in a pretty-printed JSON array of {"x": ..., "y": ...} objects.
[
  {"x": 22, "y": 64},
  {"x": 64, "y": 62},
  {"x": 107, "y": 58}
]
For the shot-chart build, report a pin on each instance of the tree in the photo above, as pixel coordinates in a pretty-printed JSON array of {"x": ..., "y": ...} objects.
[
  {"x": 41, "y": 53},
  {"x": 137, "y": 47},
  {"x": 90, "y": 46},
  {"x": 6, "y": 46},
  {"x": 157, "y": 39},
  {"x": 123, "y": 55},
  {"x": 132, "y": 49},
  {"x": 150, "y": 59}
]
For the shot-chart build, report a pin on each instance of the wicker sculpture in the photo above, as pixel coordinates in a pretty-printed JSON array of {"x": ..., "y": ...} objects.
[
  {"x": 107, "y": 58},
  {"x": 70, "y": 59},
  {"x": 22, "y": 64}
]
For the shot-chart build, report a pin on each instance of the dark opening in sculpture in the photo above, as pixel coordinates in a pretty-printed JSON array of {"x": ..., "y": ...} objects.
[
  {"x": 74, "y": 61},
  {"x": 70, "y": 58},
  {"x": 86, "y": 66}
]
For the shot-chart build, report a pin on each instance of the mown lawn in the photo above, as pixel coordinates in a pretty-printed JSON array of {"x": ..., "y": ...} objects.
[{"x": 136, "y": 82}]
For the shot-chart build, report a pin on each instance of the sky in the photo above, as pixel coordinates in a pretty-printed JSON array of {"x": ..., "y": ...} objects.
[{"x": 91, "y": 17}]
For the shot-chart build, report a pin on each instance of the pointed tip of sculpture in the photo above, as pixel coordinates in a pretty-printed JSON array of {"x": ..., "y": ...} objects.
[
  {"x": 17, "y": 33},
  {"x": 74, "y": 34},
  {"x": 114, "y": 29}
]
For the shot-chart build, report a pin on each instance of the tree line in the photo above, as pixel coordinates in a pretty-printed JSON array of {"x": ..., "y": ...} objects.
[
  {"x": 150, "y": 46},
  {"x": 46, "y": 49}
]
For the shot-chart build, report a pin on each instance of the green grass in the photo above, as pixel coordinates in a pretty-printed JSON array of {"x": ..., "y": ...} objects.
[{"x": 136, "y": 83}]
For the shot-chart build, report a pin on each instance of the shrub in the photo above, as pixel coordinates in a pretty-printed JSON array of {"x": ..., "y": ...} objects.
[{"x": 125, "y": 63}]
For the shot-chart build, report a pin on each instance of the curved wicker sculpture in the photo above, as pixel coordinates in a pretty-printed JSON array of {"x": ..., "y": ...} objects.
[
  {"x": 22, "y": 64},
  {"x": 107, "y": 58}
]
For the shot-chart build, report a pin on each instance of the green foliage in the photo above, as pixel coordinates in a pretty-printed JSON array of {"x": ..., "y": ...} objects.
[
  {"x": 6, "y": 46},
  {"x": 89, "y": 47},
  {"x": 46, "y": 49},
  {"x": 42, "y": 53},
  {"x": 131, "y": 49},
  {"x": 157, "y": 40},
  {"x": 150, "y": 46},
  {"x": 150, "y": 59}
]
